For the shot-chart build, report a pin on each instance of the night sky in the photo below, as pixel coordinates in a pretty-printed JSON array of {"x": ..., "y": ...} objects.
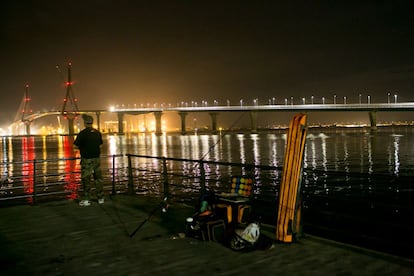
[{"x": 171, "y": 51}]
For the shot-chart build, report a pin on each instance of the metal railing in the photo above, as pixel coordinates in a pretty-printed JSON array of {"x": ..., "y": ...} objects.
[
  {"x": 183, "y": 179},
  {"x": 32, "y": 180}
]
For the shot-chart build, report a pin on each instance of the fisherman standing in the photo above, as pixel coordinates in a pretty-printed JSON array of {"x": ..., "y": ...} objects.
[{"x": 89, "y": 141}]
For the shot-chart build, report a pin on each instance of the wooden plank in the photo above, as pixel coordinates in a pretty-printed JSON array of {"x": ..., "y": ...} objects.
[
  {"x": 295, "y": 184},
  {"x": 284, "y": 187},
  {"x": 288, "y": 219}
]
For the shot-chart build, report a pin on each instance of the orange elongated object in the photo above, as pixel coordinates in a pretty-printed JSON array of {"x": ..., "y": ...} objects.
[{"x": 288, "y": 219}]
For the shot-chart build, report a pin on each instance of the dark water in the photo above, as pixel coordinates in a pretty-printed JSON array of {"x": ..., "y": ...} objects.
[
  {"x": 388, "y": 151},
  {"x": 357, "y": 184}
]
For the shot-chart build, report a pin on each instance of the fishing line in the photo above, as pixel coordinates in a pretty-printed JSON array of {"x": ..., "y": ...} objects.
[
  {"x": 124, "y": 228},
  {"x": 164, "y": 205},
  {"x": 220, "y": 138},
  {"x": 203, "y": 156}
]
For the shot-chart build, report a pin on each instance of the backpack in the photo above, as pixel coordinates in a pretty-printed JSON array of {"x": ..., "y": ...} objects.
[{"x": 246, "y": 239}]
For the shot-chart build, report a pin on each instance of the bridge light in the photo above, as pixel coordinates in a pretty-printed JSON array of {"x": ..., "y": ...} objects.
[
  {"x": 312, "y": 99},
  {"x": 303, "y": 100},
  {"x": 388, "y": 97},
  {"x": 395, "y": 98}
]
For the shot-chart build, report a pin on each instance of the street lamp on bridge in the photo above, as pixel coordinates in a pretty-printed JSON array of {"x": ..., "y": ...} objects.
[{"x": 395, "y": 98}]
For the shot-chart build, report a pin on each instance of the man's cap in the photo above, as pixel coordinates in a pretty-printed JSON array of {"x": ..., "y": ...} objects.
[{"x": 87, "y": 119}]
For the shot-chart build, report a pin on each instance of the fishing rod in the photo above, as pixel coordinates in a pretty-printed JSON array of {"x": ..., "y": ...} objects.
[
  {"x": 163, "y": 206},
  {"x": 203, "y": 156}
]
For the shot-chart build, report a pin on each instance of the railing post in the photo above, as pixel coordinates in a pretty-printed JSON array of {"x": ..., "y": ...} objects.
[
  {"x": 130, "y": 176},
  {"x": 34, "y": 181},
  {"x": 202, "y": 178},
  {"x": 165, "y": 177},
  {"x": 113, "y": 174}
]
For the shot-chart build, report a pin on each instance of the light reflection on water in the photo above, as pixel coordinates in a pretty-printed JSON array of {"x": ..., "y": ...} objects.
[
  {"x": 27, "y": 167},
  {"x": 327, "y": 151},
  {"x": 396, "y": 153}
]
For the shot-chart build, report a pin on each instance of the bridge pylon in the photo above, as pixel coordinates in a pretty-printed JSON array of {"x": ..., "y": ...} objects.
[
  {"x": 25, "y": 110},
  {"x": 69, "y": 112}
]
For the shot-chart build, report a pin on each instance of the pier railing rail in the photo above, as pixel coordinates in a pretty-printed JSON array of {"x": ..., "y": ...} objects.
[
  {"x": 31, "y": 181},
  {"x": 182, "y": 179}
]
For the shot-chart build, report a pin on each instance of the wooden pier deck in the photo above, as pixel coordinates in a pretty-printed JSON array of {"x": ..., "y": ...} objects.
[{"x": 62, "y": 238}]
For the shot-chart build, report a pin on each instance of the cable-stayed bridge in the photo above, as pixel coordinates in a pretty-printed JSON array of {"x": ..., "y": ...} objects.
[
  {"x": 70, "y": 110},
  {"x": 213, "y": 111}
]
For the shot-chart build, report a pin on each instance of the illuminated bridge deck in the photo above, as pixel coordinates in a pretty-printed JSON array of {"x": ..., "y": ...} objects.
[{"x": 61, "y": 238}]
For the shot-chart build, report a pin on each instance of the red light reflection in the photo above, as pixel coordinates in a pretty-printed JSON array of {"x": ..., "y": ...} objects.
[
  {"x": 71, "y": 166},
  {"x": 28, "y": 157}
]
